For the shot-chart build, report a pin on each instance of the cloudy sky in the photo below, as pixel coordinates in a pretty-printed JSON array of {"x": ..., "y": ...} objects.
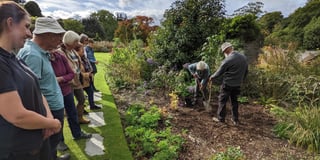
[{"x": 152, "y": 8}]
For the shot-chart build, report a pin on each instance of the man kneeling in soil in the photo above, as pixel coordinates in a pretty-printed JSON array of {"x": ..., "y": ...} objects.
[
  {"x": 200, "y": 71},
  {"x": 233, "y": 70}
]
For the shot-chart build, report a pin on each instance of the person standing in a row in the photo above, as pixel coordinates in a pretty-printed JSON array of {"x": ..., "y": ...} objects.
[
  {"x": 35, "y": 53},
  {"x": 25, "y": 118},
  {"x": 92, "y": 59}
]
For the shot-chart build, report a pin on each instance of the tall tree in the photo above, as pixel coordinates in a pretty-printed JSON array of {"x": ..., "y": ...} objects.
[
  {"x": 143, "y": 27},
  {"x": 254, "y": 8},
  {"x": 269, "y": 20},
  {"x": 73, "y": 24},
  {"x": 138, "y": 27},
  {"x": 124, "y": 31},
  {"x": 93, "y": 28},
  {"x": 108, "y": 22},
  {"x": 186, "y": 26},
  {"x": 244, "y": 28},
  {"x": 33, "y": 8}
]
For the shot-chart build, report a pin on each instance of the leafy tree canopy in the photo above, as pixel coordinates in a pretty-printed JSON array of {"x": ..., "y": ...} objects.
[
  {"x": 93, "y": 28},
  {"x": 254, "y": 8},
  {"x": 186, "y": 26},
  {"x": 107, "y": 21},
  {"x": 33, "y": 8},
  {"x": 73, "y": 24}
]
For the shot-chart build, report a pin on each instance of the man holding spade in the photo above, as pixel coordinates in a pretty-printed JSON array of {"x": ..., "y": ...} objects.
[{"x": 233, "y": 70}]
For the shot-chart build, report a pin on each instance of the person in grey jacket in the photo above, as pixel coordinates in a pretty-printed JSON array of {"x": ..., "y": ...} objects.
[
  {"x": 201, "y": 72},
  {"x": 233, "y": 70}
]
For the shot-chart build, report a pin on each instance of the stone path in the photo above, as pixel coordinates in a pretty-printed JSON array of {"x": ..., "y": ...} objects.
[{"x": 94, "y": 145}]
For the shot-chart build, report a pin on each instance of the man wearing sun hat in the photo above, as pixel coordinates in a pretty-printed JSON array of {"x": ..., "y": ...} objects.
[
  {"x": 47, "y": 35},
  {"x": 233, "y": 70}
]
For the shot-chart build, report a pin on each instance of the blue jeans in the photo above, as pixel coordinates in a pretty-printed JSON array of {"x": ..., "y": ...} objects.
[
  {"x": 72, "y": 115},
  {"x": 89, "y": 91},
  {"x": 56, "y": 138}
]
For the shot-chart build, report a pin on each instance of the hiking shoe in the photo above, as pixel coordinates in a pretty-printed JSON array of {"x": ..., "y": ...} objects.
[
  {"x": 235, "y": 122},
  {"x": 83, "y": 136},
  {"x": 217, "y": 120},
  {"x": 95, "y": 107},
  {"x": 62, "y": 146}
]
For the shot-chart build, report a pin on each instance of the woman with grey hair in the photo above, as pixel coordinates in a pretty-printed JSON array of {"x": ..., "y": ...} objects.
[{"x": 70, "y": 41}]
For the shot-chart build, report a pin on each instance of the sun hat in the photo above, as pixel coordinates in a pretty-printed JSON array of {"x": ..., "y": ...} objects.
[
  {"x": 47, "y": 25},
  {"x": 201, "y": 65},
  {"x": 225, "y": 45}
]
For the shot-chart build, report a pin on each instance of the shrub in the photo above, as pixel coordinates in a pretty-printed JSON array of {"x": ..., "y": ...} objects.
[
  {"x": 146, "y": 138},
  {"x": 300, "y": 126},
  {"x": 128, "y": 66},
  {"x": 232, "y": 153},
  {"x": 164, "y": 78}
]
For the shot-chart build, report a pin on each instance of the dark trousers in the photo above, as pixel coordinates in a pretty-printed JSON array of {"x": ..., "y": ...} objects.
[
  {"x": 90, "y": 92},
  {"x": 72, "y": 115},
  {"x": 225, "y": 93},
  {"x": 42, "y": 154},
  {"x": 94, "y": 71},
  {"x": 56, "y": 138},
  {"x": 199, "y": 92}
]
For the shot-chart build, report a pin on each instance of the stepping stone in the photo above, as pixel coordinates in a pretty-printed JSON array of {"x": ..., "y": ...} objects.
[
  {"x": 94, "y": 145},
  {"x": 97, "y": 119},
  {"x": 98, "y": 94},
  {"x": 96, "y": 98}
]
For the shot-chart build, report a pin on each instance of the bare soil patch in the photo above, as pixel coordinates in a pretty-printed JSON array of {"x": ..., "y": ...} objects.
[{"x": 205, "y": 137}]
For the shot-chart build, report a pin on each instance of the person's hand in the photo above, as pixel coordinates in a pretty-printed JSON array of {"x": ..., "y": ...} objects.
[
  {"x": 57, "y": 126},
  {"x": 211, "y": 79},
  {"x": 195, "y": 76},
  {"x": 200, "y": 86},
  {"x": 96, "y": 62},
  {"x": 47, "y": 133},
  {"x": 60, "y": 79}
]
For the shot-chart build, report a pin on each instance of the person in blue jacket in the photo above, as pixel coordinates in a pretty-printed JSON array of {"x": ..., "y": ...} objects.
[{"x": 201, "y": 72}]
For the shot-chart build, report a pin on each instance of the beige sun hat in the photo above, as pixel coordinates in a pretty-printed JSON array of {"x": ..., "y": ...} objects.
[
  {"x": 47, "y": 25},
  {"x": 201, "y": 65},
  {"x": 225, "y": 45}
]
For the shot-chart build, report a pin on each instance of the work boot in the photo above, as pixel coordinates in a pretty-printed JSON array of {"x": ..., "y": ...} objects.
[
  {"x": 81, "y": 119},
  {"x": 235, "y": 122}
]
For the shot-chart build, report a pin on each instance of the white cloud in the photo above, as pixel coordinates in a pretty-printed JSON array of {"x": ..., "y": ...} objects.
[
  {"x": 285, "y": 6},
  {"x": 151, "y": 8}
]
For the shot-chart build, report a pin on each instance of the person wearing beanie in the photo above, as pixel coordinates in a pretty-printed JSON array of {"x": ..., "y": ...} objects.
[
  {"x": 233, "y": 70},
  {"x": 47, "y": 36},
  {"x": 200, "y": 72}
]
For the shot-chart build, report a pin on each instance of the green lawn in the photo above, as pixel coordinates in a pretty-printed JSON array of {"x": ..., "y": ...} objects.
[{"x": 114, "y": 140}]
